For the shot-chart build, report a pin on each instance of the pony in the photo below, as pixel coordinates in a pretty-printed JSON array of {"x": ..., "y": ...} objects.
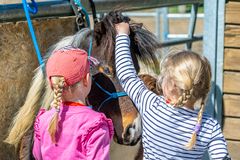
[{"x": 126, "y": 120}]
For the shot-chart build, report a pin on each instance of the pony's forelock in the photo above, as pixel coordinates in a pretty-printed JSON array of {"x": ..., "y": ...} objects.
[{"x": 144, "y": 44}]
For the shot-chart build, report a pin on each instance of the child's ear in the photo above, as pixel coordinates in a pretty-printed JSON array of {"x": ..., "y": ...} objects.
[{"x": 86, "y": 79}]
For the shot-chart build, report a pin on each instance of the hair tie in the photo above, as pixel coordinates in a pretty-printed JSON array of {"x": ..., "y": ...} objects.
[
  {"x": 93, "y": 61},
  {"x": 197, "y": 128},
  {"x": 57, "y": 110}
]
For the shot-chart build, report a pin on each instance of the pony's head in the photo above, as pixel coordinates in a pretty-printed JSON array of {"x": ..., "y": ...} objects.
[{"x": 143, "y": 47}]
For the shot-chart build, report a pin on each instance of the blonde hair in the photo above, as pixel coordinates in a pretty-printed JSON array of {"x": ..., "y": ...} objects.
[
  {"x": 191, "y": 75},
  {"x": 58, "y": 85}
]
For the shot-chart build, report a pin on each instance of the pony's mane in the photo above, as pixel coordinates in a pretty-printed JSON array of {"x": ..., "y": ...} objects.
[{"x": 144, "y": 44}]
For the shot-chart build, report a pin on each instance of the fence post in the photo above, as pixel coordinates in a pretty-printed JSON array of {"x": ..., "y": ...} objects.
[
  {"x": 213, "y": 49},
  {"x": 158, "y": 23},
  {"x": 165, "y": 24}
]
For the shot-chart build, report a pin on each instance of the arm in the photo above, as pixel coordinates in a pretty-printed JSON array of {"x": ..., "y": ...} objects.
[
  {"x": 37, "y": 148},
  {"x": 98, "y": 143},
  {"x": 37, "y": 138},
  {"x": 218, "y": 146},
  {"x": 131, "y": 83}
]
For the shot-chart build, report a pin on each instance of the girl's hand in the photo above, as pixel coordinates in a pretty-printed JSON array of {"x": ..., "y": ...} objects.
[{"x": 122, "y": 28}]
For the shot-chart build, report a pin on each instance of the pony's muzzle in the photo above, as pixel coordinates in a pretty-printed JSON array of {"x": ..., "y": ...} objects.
[{"x": 132, "y": 133}]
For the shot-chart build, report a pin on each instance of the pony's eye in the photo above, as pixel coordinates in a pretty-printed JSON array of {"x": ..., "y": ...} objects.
[{"x": 106, "y": 70}]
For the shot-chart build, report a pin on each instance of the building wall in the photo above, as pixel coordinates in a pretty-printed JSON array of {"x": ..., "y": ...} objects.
[{"x": 231, "y": 79}]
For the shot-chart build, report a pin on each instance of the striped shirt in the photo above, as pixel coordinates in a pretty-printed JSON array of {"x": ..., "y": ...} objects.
[{"x": 166, "y": 129}]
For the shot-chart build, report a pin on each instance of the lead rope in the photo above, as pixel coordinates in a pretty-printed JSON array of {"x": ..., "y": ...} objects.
[{"x": 33, "y": 10}]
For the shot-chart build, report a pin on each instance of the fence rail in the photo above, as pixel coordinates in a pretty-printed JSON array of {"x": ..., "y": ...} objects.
[{"x": 14, "y": 12}]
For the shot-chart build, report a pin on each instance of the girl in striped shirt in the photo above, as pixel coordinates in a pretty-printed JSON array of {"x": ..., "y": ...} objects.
[{"x": 172, "y": 128}]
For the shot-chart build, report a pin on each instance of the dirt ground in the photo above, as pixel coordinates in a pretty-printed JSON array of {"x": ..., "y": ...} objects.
[{"x": 121, "y": 152}]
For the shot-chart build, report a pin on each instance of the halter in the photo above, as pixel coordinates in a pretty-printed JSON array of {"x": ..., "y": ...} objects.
[{"x": 113, "y": 95}]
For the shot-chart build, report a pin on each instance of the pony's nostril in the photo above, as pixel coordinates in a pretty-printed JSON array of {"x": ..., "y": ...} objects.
[
  {"x": 127, "y": 134},
  {"x": 117, "y": 139},
  {"x": 133, "y": 126}
]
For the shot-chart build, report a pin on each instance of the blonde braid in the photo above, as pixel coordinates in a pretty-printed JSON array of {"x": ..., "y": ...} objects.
[
  {"x": 191, "y": 143},
  {"x": 206, "y": 77},
  {"x": 182, "y": 100},
  {"x": 58, "y": 84}
]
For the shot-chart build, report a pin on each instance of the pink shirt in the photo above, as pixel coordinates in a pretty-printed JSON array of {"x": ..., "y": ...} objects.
[{"x": 82, "y": 134}]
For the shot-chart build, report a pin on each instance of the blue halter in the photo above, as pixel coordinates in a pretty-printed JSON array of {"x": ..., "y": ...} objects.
[{"x": 113, "y": 95}]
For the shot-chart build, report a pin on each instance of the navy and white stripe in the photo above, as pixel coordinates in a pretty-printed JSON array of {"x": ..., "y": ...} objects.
[{"x": 166, "y": 129}]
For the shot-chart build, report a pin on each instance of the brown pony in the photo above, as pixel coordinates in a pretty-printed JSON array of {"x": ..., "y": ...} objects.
[{"x": 121, "y": 110}]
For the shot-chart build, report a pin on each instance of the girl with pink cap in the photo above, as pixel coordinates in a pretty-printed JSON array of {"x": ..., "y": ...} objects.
[{"x": 71, "y": 129}]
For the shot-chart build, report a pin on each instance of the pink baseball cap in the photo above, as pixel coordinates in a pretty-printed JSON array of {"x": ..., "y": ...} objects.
[{"x": 71, "y": 63}]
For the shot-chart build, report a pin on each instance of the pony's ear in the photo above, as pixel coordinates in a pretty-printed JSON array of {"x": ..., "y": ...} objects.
[{"x": 99, "y": 31}]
